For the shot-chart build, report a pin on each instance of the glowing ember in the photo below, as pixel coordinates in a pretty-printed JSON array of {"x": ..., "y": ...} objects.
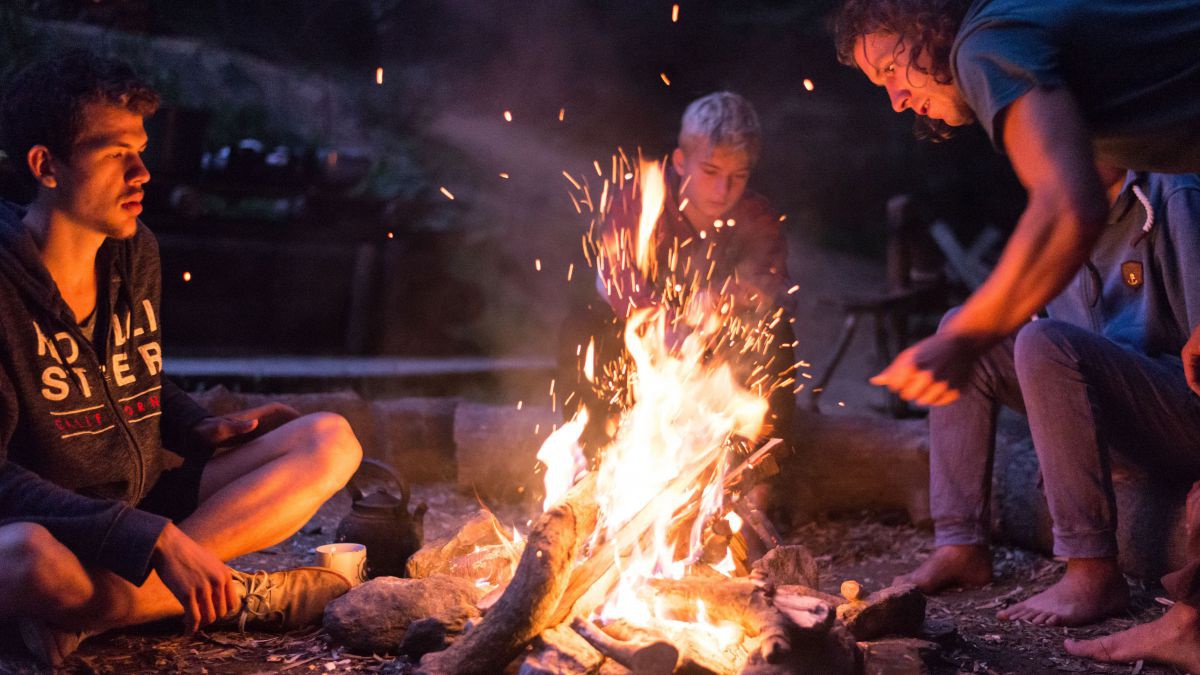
[
  {"x": 379, "y": 75},
  {"x": 507, "y": 115},
  {"x": 808, "y": 84},
  {"x": 446, "y": 192},
  {"x": 666, "y": 80},
  {"x": 675, "y": 13},
  {"x": 562, "y": 112},
  {"x": 187, "y": 276}
]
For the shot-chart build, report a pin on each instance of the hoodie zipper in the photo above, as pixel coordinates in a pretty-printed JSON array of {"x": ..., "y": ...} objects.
[{"x": 89, "y": 348}]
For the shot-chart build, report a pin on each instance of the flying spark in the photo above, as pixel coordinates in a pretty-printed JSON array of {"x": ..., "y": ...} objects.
[
  {"x": 665, "y": 79},
  {"x": 507, "y": 115},
  {"x": 379, "y": 75},
  {"x": 447, "y": 193},
  {"x": 675, "y": 13},
  {"x": 808, "y": 85},
  {"x": 187, "y": 276}
]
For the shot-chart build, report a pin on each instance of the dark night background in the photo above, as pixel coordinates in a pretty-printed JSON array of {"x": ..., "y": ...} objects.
[{"x": 287, "y": 240}]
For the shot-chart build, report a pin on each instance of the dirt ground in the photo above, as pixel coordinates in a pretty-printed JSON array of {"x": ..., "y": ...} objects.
[{"x": 868, "y": 549}]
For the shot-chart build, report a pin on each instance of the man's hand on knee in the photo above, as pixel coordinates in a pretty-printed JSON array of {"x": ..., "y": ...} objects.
[
  {"x": 243, "y": 426},
  {"x": 196, "y": 577}
]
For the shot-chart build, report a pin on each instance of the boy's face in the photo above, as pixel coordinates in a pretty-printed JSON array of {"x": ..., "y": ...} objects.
[
  {"x": 879, "y": 58},
  {"x": 101, "y": 185},
  {"x": 714, "y": 178}
]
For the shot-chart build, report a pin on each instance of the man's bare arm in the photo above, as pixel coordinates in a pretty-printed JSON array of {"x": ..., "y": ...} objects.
[{"x": 1047, "y": 142}]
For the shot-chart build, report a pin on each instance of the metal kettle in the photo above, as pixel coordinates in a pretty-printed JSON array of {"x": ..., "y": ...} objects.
[{"x": 379, "y": 519}]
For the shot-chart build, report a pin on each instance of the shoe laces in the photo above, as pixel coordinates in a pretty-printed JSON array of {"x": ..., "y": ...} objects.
[{"x": 257, "y": 602}]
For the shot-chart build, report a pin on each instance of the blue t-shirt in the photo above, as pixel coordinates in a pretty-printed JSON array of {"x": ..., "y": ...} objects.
[{"x": 1132, "y": 65}]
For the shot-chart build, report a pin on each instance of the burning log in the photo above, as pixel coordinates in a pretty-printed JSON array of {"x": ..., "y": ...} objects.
[
  {"x": 592, "y": 581},
  {"x": 805, "y": 612},
  {"x": 775, "y": 623},
  {"x": 528, "y": 606},
  {"x": 896, "y": 610},
  {"x": 642, "y": 657},
  {"x": 561, "y": 651}
]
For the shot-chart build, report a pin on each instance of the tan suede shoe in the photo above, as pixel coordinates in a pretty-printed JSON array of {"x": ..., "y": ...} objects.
[{"x": 285, "y": 600}]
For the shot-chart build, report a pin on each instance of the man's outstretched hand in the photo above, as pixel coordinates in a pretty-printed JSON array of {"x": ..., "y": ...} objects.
[
  {"x": 196, "y": 577},
  {"x": 932, "y": 371},
  {"x": 1191, "y": 360},
  {"x": 240, "y": 427}
]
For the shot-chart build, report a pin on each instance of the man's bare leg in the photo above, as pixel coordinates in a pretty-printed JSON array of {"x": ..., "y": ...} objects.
[
  {"x": 251, "y": 497},
  {"x": 262, "y": 493},
  {"x": 950, "y": 566},
  {"x": 38, "y": 574},
  {"x": 1090, "y": 590},
  {"x": 1172, "y": 639}
]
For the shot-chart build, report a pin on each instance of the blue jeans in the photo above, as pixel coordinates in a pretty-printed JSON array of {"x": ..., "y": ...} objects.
[{"x": 1086, "y": 398}]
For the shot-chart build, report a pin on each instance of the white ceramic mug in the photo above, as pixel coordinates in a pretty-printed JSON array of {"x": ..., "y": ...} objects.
[{"x": 349, "y": 559}]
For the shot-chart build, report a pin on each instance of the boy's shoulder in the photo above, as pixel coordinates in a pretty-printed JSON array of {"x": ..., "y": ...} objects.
[{"x": 754, "y": 210}]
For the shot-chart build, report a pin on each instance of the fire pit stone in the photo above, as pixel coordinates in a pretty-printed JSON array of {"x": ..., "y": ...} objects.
[
  {"x": 374, "y": 617},
  {"x": 788, "y": 564}
]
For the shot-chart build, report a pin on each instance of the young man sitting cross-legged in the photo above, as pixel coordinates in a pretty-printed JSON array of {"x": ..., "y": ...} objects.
[{"x": 95, "y": 531}]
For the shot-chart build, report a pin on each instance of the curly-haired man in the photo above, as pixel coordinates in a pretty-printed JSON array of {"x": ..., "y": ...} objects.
[{"x": 1069, "y": 91}]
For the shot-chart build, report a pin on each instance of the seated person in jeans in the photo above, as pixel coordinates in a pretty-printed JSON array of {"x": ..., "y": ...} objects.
[{"x": 1102, "y": 375}]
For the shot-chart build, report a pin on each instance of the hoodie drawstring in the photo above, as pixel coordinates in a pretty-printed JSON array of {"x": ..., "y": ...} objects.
[{"x": 1141, "y": 196}]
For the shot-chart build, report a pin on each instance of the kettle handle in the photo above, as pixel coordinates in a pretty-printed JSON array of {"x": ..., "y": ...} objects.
[{"x": 376, "y": 466}]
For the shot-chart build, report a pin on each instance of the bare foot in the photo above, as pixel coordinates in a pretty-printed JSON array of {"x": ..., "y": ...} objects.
[
  {"x": 1090, "y": 590},
  {"x": 948, "y": 566},
  {"x": 1172, "y": 639}
]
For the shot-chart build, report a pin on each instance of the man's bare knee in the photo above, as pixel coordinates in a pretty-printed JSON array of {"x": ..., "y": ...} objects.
[
  {"x": 40, "y": 568},
  {"x": 334, "y": 451}
]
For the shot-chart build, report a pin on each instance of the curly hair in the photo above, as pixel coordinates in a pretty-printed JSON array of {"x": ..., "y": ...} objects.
[
  {"x": 923, "y": 26},
  {"x": 45, "y": 103}
]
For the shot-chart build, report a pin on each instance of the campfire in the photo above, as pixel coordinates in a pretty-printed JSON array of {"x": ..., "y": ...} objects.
[{"x": 638, "y": 556}]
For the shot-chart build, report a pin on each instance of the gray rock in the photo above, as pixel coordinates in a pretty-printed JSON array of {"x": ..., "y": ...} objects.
[
  {"x": 373, "y": 618},
  {"x": 422, "y": 637},
  {"x": 787, "y": 565}
]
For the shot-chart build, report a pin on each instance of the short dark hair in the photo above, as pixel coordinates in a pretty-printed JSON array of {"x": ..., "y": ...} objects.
[
  {"x": 923, "y": 26},
  {"x": 44, "y": 103}
]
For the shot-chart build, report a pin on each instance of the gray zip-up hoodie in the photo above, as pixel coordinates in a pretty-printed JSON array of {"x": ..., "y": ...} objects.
[
  {"x": 1141, "y": 285},
  {"x": 83, "y": 429}
]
